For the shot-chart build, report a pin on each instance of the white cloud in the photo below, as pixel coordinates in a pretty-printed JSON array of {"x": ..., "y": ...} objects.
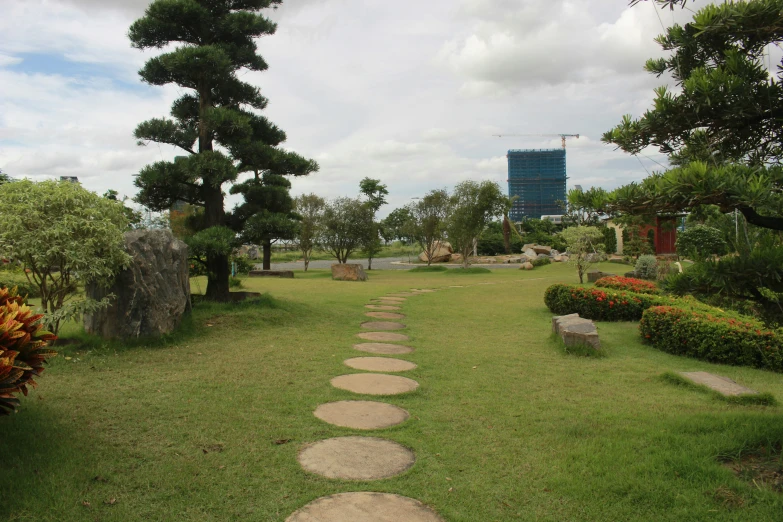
[{"x": 408, "y": 92}]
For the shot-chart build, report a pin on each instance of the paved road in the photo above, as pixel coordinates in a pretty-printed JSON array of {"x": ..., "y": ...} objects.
[{"x": 385, "y": 263}]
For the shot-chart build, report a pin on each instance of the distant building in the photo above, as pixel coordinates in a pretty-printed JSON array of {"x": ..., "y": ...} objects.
[
  {"x": 70, "y": 179},
  {"x": 538, "y": 178}
]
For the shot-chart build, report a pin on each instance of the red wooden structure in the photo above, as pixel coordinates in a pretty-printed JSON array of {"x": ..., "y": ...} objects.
[{"x": 665, "y": 230}]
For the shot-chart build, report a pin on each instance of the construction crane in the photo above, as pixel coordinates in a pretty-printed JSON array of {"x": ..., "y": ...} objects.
[{"x": 562, "y": 137}]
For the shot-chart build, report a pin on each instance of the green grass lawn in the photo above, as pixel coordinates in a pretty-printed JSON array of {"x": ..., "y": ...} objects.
[{"x": 505, "y": 426}]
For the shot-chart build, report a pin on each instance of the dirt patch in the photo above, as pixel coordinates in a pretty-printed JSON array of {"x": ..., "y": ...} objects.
[{"x": 763, "y": 469}]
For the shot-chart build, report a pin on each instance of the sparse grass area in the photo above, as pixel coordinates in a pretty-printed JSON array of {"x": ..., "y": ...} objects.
[{"x": 206, "y": 425}]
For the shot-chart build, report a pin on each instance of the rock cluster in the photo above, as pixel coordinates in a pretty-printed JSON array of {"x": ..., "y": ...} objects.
[{"x": 575, "y": 330}]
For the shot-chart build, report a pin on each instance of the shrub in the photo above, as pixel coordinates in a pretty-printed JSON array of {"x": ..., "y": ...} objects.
[
  {"x": 24, "y": 289},
  {"x": 470, "y": 270},
  {"x": 428, "y": 269},
  {"x": 638, "y": 286},
  {"x": 712, "y": 337},
  {"x": 647, "y": 267},
  {"x": 599, "y": 304},
  {"x": 23, "y": 348},
  {"x": 541, "y": 261},
  {"x": 243, "y": 264},
  {"x": 234, "y": 282},
  {"x": 701, "y": 242}
]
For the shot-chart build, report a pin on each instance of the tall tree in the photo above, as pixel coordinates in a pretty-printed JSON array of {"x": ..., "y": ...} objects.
[
  {"x": 473, "y": 207},
  {"x": 267, "y": 214},
  {"x": 428, "y": 221},
  {"x": 376, "y": 193},
  {"x": 310, "y": 208},
  {"x": 346, "y": 224},
  {"x": 217, "y": 39}
]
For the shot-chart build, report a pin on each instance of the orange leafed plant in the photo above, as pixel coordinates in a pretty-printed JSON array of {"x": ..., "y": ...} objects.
[{"x": 23, "y": 348}]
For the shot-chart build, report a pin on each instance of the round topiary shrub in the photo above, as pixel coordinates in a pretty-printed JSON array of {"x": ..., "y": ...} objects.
[
  {"x": 701, "y": 242},
  {"x": 647, "y": 267}
]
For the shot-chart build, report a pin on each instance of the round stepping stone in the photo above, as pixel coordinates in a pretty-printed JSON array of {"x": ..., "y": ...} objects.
[
  {"x": 383, "y": 348},
  {"x": 365, "y": 507},
  {"x": 401, "y": 294},
  {"x": 384, "y": 315},
  {"x": 375, "y": 384},
  {"x": 383, "y": 336},
  {"x": 356, "y": 458},
  {"x": 382, "y": 325},
  {"x": 361, "y": 415},
  {"x": 379, "y": 364},
  {"x": 382, "y": 307},
  {"x": 398, "y": 300}
]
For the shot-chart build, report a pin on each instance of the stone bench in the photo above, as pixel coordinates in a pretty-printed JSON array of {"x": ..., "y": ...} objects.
[
  {"x": 575, "y": 330},
  {"x": 272, "y": 273}
]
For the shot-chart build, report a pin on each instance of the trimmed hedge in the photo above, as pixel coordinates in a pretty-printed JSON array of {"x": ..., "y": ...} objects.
[
  {"x": 599, "y": 304},
  {"x": 541, "y": 261},
  {"x": 629, "y": 284},
  {"x": 712, "y": 337}
]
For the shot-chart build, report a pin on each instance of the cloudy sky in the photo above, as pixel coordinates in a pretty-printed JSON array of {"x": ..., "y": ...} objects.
[{"x": 409, "y": 92}]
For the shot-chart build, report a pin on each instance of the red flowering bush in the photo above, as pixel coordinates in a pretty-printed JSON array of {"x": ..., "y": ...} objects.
[
  {"x": 23, "y": 348},
  {"x": 712, "y": 337},
  {"x": 637, "y": 286},
  {"x": 599, "y": 304}
]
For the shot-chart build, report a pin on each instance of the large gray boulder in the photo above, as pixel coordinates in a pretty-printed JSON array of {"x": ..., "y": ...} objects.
[
  {"x": 152, "y": 294},
  {"x": 575, "y": 331}
]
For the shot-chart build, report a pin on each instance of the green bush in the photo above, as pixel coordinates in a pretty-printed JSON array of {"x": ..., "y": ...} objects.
[
  {"x": 23, "y": 288},
  {"x": 647, "y": 267},
  {"x": 599, "y": 304},
  {"x": 701, "y": 242},
  {"x": 712, "y": 337},
  {"x": 243, "y": 264},
  {"x": 541, "y": 261},
  {"x": 470, "y": 270},
  {"x": 234, "y": 282},
  {"x": 610, "y": 239},
  {"x": 428, "y": 269}
]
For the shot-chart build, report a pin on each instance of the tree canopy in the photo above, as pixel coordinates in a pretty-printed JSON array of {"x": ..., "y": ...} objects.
[
  {"x": 473, "y": 207},
  {"x": 216, "y": 120},
  {"x": 721, "y": 125},
  {"x": 64, "y": 236}
]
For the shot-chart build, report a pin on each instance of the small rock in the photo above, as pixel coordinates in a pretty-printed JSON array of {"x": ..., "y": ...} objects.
[
  {"x": 527, "y": 266},
  {"x": 542, "y": 249}
]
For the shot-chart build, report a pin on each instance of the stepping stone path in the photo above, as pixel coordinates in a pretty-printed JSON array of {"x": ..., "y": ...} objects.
[
  {"x": 365, "y": 507},
  {"x": 382, "y": 307},
  {"x": 382, "y": 325},
  {"x": 383, "y": 336},
  {"x": 383, "y": 348},
  {"x": 356, "y": 458},
  {"x": 367, "y": 458},
  {"x": 374, "y": 384},
  {"x": 361, "y": 415},
  {"x": 379, "y": 364},
  {"x": 718, "y": 383},
  {"x": 384, "y": 315}
]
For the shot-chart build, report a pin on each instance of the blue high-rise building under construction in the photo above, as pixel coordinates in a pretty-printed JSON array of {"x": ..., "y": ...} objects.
[{"x": 538, "y": 178}]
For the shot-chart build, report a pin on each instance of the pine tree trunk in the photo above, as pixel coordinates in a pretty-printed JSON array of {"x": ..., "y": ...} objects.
[
  {"x": 267, "y": 255},
  {"x": 507, "y": 235}
]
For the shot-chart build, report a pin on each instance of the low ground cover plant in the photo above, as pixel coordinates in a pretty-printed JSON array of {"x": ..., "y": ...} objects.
[
  {"x": 712, "y": 337},
  {"x": 23, "y": 348},
  {"x": 638, "y": 286}
]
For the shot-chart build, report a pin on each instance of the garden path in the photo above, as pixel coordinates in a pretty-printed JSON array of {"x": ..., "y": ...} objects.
[{"x": 360, "y": 457}]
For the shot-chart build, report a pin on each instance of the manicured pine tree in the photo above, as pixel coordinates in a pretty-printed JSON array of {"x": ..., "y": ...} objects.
[{"x": 216, "y": 121}]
